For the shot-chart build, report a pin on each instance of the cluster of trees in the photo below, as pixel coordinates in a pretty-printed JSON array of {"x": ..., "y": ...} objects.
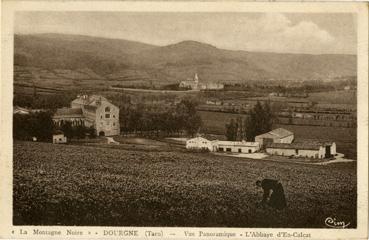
[
  {"x": 306, "y": 86},
  {"x": 79, "y": 131},
  {"x": 38, "y": 101},
  {"x": 259, "y": 120},
  {"x": 138, "y": 119},
  {"x": 41, "y": 126}
]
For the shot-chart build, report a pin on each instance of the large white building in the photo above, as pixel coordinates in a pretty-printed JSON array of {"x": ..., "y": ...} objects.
[
  {"x": 222, "y": 146},
  {"x": 95, "y": 111},
  {"x": 309, "y": 149},
  {"x": 279, "y": 135},
  {"x": 194, "y": 84},
  {"x": 190, "y": 83},
  {"x": 236, "y": 146},
  {"x": 199, "y": 143}
]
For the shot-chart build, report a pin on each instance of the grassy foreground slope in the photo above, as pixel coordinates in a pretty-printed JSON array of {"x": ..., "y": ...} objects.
[{"x": 80, "y": 185}]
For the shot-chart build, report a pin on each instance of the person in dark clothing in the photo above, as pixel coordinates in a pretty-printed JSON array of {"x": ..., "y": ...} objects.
[{"x": 273, "y": 193}]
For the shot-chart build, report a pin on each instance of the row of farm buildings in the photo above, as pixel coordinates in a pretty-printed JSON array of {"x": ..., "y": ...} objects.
[{"x": 276, "y": 142}]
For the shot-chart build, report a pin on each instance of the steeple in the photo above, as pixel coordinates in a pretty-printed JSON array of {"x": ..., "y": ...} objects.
[{"x": 196, "y": 78}]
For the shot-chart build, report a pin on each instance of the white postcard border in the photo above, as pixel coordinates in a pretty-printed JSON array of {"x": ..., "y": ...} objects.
[{"x": 7, "y": 230}]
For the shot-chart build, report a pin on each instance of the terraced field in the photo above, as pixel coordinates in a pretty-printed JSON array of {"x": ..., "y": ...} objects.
[{"x": 81, "y": 185}]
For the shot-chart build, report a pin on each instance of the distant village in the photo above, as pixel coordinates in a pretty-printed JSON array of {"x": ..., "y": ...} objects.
[{"x": 194, "y": 84}]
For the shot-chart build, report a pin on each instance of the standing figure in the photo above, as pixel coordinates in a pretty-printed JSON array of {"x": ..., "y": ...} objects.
[{"x": 273, "y": 193}]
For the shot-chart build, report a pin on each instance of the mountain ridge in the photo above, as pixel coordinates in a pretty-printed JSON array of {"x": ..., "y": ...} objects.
[{"x": 173, "y": 62}]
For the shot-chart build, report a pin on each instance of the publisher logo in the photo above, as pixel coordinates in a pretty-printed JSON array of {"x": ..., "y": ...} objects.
[{"x": 334, "y": 223}]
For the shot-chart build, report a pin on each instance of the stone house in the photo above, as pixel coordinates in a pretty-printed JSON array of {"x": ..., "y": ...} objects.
[{"x": 95, "y": 111}]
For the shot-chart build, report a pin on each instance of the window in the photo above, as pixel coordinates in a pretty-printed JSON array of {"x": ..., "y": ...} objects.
[
  {"x": 107, "y": 115},
  {"x": 221, "y": 149},
  {"x": 60, "y": 139},
  {"x": 101, "y": 117},
  {"x": 249, "y": 150},
  {"x": 113, "y": 116},
  {"x": 239, "y": 150},
  {"x": 107, "y": 109},
  {"x": 229, "y": 150},
  {"x": 113, "y": 124},
  {"x": 297, "y": 151}
]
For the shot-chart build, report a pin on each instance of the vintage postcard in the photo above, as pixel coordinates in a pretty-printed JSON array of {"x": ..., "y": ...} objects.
[{"x": 184, "y": 120}]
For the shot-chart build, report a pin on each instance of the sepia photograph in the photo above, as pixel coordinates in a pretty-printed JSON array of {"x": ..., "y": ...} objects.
[{"x": 185, "y": 119}]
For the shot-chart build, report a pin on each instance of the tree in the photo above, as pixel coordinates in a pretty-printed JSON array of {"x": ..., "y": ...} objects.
[
  {"x": 260, "y": 120},
  {"x": 91, "y": 131},
  {"x": 67, "y": 129},
  {"x": 39, "y": 125},
  {"x": 187, "y": 116},
  {"x": 231, "y": 130},
  {"x": 79, "y": 131}
]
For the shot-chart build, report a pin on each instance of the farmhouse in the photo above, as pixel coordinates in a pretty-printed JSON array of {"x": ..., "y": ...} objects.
[
  {"x": 58, "y": 137},
  {"x": 236, "y": 146},
  {"x": 310, "y": 149},
  {"x": 279, "y": 135},
  {"x": 199, "y": 143},
  {"x": 95, "y": 111}
]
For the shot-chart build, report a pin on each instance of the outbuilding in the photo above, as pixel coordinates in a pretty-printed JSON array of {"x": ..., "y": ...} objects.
[
  {"x": 199, "y": 143},
  {"x": 279, "y": 135},
  {"x": 309, "y": 149},
  {"x": 236, "y": 146},
  {"x": 58, "y": 137}
]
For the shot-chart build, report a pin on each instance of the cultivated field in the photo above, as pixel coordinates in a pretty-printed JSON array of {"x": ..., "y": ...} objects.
[
  {"x": 81, "y": 185},
  {"x": 345, "y": 138},
  {"x": 334, "y": 97}
]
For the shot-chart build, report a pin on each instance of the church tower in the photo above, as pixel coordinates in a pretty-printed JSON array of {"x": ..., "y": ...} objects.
[{"x": 196, "y": 81}]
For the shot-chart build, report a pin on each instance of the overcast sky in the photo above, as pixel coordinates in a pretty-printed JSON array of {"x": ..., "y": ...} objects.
[{"x": 315, "y": 33}]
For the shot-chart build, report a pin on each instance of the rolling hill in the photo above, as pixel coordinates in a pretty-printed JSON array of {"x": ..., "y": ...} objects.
[{"x": 51, "y": 59}]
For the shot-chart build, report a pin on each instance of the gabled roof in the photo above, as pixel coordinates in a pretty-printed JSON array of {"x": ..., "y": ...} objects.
[
  {"x": 90, "y": 108},
  {"x": 281, "y": 132},
  {"x": 89, "y": 100},
  {"x": 198, "y": 139},
  {"x": 276, "y": 133},
  {"x": 68, "y": 112},
  {"x": 238, "y": 143}
]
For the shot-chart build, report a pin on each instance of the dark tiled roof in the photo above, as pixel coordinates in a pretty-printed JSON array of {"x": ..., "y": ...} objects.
[
  {"x": 89, "y": 100},
  {"x": 90, "y": 108},
  {"x": 68, "y": 112},
  {"x": 57, "y": 132}
]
